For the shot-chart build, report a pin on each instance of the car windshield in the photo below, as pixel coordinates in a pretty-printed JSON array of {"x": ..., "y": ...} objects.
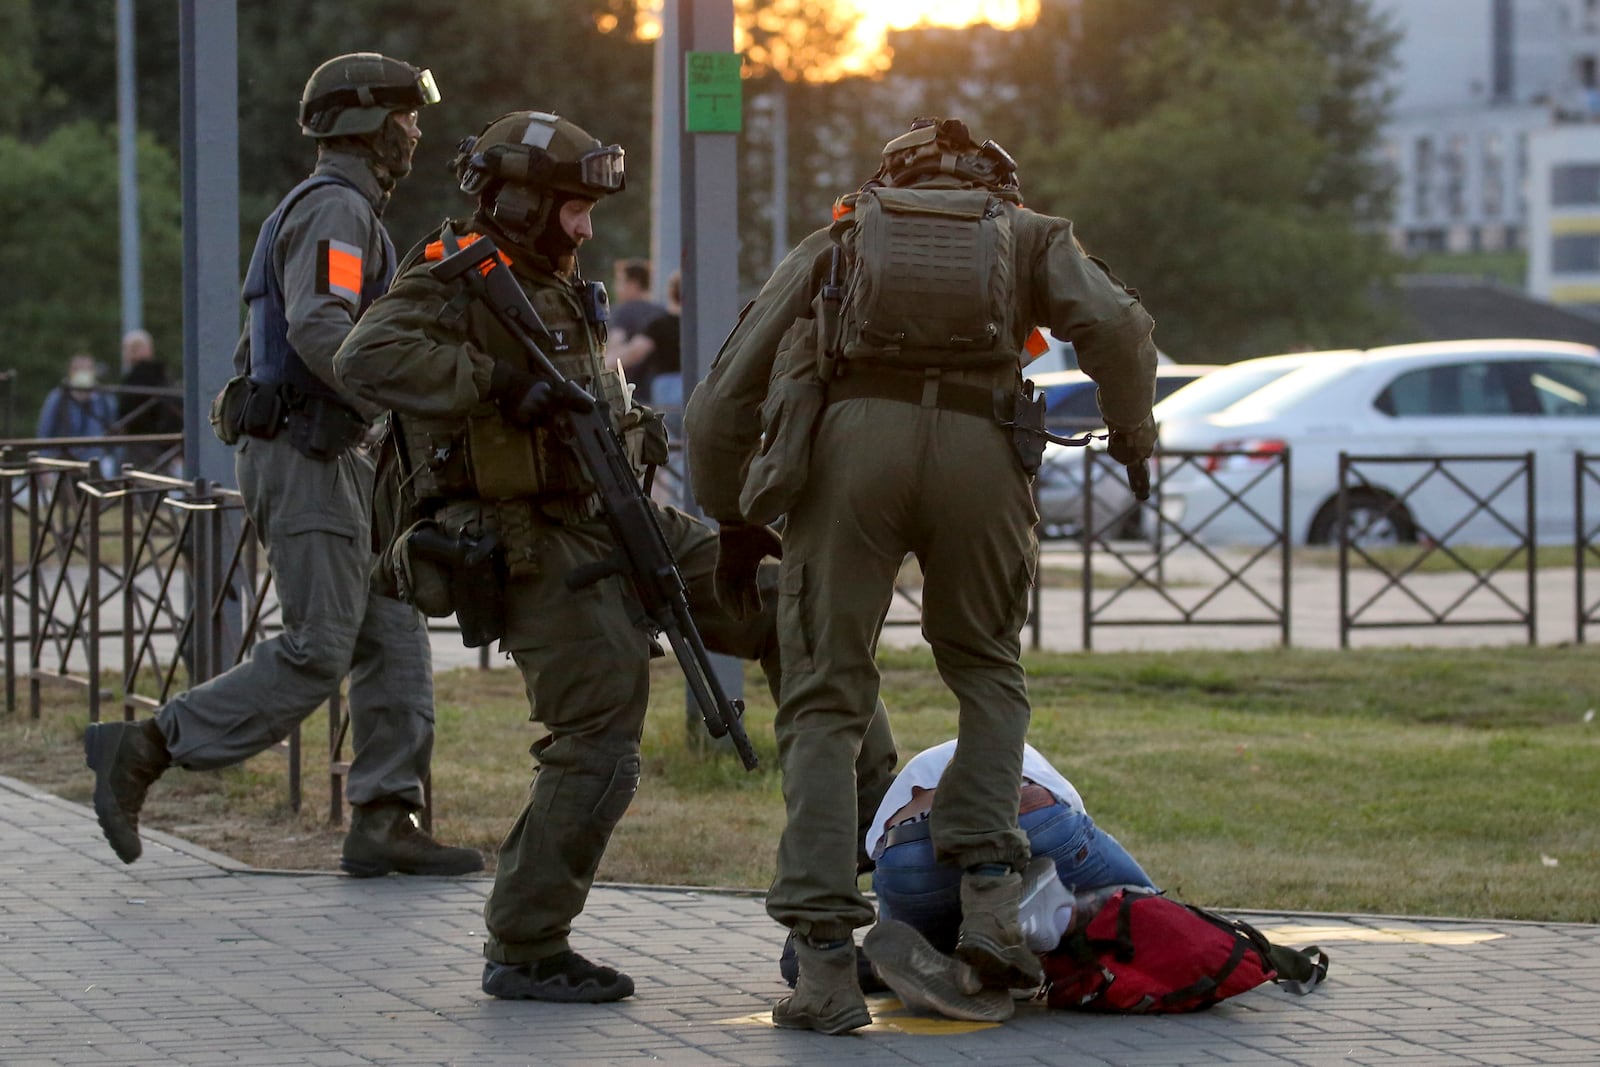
[{"x": 1217, "y": 390}]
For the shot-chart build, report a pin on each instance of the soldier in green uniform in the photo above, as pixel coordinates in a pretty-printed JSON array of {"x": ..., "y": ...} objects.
[
  {"x": 872, "y": 388},
  {"x": 322, "y": 256},
  {"x": 484, "y": 469}
]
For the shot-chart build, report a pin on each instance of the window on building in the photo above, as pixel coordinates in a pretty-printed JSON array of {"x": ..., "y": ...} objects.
[
  {"x": 1423, "y": 171},
  {"x": 1575, "y": 253},
  {"x": 1494, "y": 176},
  {"x": 1454, "y": 165},
  {"x": 1575, "y": 184}
]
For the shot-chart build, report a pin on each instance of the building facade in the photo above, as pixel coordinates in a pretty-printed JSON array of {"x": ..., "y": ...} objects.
[{"x": 1489, "y": 94}]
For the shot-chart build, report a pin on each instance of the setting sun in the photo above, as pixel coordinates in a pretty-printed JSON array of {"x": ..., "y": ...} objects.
[{"x": 773, "y": 35}]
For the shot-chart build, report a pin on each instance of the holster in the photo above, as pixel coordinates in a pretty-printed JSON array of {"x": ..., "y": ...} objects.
[
  {"x": 476, "y": 566},
  {"x": 1028, "y": 428},
  {"x": 323, "y": 428}
]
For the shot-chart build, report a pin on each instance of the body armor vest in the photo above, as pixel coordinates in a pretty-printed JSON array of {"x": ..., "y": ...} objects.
[
  {"x": 485, "y": 458},
  {"x": 273, "y": 360}
]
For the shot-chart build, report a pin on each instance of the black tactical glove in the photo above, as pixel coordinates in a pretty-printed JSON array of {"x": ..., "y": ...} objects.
[
  {"x": 741, "y": 546},
  {"x": 1132, "y": 450},
  {"x": 525, "y": 401}
]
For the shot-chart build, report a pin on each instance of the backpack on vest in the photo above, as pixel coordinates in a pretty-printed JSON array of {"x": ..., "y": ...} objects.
[
  {"x": 1142, "y": 953},
  {"x": 929, "y": 278}
]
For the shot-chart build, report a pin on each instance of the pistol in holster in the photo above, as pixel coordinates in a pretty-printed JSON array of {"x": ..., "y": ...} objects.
[
  {"x": 476, "y": 566},
  {"x": 1028, "y": 434}
]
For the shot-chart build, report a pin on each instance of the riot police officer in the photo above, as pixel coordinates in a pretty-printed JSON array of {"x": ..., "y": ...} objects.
[
  {"x": 483, "y": 466},
  {"x": 321, "y": 258},
  {"x": 880, "y": 365}
]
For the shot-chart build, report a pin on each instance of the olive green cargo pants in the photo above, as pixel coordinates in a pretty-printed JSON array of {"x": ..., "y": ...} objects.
[
  {"x": 314, "y": 518},
  {"x": 889, "y": 478},
  {"x": 585, "y": 662}
]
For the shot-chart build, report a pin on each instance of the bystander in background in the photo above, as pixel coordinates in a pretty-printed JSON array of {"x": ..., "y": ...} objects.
[
  {"x": 77, "y": 408},
  {"x": 632, "y": 308},
  {"x": 141, "y": 410}
]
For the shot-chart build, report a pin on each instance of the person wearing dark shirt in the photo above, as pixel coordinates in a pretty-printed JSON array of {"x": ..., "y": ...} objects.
[
  {"x": 655, "y": 350},
  {"x": 140, "y": 411},
  {"x": 633, "y": 309}
]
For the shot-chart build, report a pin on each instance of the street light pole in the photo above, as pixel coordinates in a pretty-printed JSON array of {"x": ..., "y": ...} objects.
[{"x": 128, "y": 167}]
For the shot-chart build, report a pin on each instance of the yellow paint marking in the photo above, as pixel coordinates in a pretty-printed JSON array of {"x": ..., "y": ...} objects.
[
  {"x": 889, "y": 1016},
  {"x": 1308, "y": 934}
]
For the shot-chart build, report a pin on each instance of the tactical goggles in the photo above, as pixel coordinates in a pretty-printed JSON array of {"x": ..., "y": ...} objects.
[{"x": 602, "y": 169}]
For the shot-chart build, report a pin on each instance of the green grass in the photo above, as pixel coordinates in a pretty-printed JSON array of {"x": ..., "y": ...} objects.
[
  {"x": 1507, "y": 268},
  {"x": 1436, "y": 561},
  {"x": 1395, "y": 781}
]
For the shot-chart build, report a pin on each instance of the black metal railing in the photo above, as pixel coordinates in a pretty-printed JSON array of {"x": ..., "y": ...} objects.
[
  {"x": 1586, "y": 542},
  {"x": 1498, "y": 507},
  {"x": 1142, "y": 592}
]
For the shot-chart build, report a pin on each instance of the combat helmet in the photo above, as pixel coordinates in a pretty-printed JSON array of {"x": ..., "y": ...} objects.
[
  {"x": 523, "y": 163},
  {"x": 935, "y": 147},
  {"x": 352, "y": 94}
]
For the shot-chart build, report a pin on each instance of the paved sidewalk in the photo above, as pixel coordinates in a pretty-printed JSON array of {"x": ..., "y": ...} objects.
[{"x": 189, "y": 958}]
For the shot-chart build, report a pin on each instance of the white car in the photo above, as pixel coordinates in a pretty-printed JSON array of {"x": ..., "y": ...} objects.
[
  {"x": 1452, "y": 398},
  {"x": 1183, "y": 391}
]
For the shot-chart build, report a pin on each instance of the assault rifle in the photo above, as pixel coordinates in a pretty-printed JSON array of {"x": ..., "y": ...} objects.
[{"x": 584, "y": 423}]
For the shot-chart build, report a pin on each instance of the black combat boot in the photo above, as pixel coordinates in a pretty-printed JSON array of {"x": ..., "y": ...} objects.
[
  {"x": 566, "y": 977},
  {"x": 125, "y": 758},
  {"x": 384, "y": 837}
]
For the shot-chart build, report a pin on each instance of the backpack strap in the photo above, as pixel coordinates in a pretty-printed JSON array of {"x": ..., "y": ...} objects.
[{"x": 1299, "y": 970}]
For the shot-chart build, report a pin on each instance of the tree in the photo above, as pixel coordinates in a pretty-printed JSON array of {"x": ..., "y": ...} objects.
[
  {"x": 61, "y": 294},
  {"x": 1214, "y": 198}
]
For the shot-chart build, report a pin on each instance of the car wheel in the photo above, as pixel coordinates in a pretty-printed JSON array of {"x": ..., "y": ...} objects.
[{"x": 1372, "y": 519}]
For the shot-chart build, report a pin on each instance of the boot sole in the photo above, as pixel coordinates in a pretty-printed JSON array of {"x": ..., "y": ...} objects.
[
  {"x": 364, "y": 869},
  {"x": 924, "y": 978},
  {"x": 560, "y": 992},
  {"x": 994, "y": 964},
  {"x": 113, "y": 823}
]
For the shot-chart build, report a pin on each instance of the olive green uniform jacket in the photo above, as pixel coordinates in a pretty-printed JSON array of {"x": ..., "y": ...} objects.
[
  {"x": 584, "y": 654},
  {"x": 888, "y": 477}
]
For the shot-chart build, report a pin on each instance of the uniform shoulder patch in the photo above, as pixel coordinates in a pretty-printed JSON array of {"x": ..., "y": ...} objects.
[{"x": 339, "y": 270}]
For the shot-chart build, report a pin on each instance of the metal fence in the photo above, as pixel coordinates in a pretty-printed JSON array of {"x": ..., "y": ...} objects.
[
  {"x": 1509, "y": 506},
  {"x": 1586, "y": 545}
]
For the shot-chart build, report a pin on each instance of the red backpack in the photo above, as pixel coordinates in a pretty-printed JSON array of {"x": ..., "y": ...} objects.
[{"x": 1143, "y": 953}]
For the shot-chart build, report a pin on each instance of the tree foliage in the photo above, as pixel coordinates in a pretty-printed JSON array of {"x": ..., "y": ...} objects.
[
  {"x": 1211, "y": 199},
  {"x": 57, "y": 253},
  {"x": 1217, "y": 152}
]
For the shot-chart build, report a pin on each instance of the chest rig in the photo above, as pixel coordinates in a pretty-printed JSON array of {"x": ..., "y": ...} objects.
[{"x": 510, "y": 477}]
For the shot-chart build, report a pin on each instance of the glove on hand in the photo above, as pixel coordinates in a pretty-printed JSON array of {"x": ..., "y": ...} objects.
[
  {"x": 1128, "y": 447},
  {"x": 741, "y": 546},
  {"x": 523, "y": 400}
]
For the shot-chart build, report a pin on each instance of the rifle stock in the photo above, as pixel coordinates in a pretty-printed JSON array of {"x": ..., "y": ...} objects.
[{"x": 643, "y": 553}]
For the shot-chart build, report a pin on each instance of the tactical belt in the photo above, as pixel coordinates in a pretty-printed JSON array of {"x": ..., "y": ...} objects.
[{"x": 927, "y": 390}]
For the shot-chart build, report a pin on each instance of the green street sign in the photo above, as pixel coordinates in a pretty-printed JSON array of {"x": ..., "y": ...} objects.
[{"x": 713, "y": 96}]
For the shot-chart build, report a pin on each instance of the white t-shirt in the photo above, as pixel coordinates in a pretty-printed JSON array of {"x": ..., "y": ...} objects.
[{"x": 926, "y": 768}]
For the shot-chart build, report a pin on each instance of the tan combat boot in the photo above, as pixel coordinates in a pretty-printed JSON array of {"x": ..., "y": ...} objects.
[
  {"x": 827, "y": 998},
  {"x": 991, "y": 935},
  {"x": 126, "y": 757},
  {"x": 384, "y": 837}
]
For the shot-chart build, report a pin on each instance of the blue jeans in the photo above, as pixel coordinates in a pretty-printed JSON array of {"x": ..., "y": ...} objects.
[{"x": 915, "y": 889}]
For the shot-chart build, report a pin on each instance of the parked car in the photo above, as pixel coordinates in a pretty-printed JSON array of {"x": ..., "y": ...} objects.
[
  {"x": 1070, "y": 404},
  {"x": 1071, "y": 408},
  {"x": 1058, "y": 355},
  {"x": 1456, "y": 398}
]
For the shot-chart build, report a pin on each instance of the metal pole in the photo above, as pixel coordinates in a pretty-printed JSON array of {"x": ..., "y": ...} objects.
[
  {"x": 1533, "y": 552},
  {"x": 710, "y": 185},
  {"x": 128, "y": 162},
  {"x": 666, "y": 164},
  {"x": 209, "y": 126},
  {"x": 209, "y": 82},
  {"x": 780, "y": 172}
]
